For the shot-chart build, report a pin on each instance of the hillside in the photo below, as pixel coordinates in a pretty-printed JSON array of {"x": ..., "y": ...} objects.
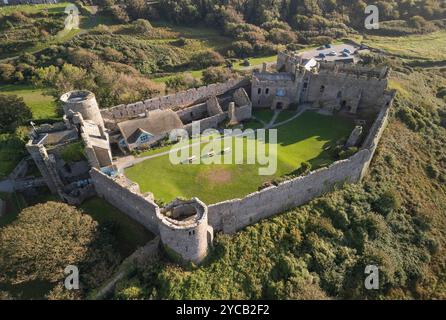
[{"x": 128, "y": 51}]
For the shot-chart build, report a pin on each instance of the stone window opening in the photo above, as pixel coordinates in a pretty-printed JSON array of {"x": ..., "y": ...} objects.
[
  {"x": 322, "y": 89},
  {"x": 267, "y": 91},
  {"x": 259, "y": 91}
]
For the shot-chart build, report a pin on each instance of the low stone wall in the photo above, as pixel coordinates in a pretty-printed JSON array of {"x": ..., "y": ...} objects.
[
  {"x": 230, "y": 216},
  {"x": 131, "y": 202},
  {"x": 180, "y": 99}
]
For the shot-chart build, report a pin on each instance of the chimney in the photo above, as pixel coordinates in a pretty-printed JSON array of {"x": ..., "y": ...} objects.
[{"x": 264, "y": 67}]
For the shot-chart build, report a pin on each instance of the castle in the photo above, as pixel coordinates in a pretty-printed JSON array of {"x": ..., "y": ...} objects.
[{"x": 186, "y": 227}]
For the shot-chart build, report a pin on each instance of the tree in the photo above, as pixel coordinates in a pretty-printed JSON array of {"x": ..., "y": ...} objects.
[
  {"x": 13, "y": 112},
  {"x": 48, "y": 237},
  {"x": 207, "y": 58},
  {"x": 216, "y": 74}
]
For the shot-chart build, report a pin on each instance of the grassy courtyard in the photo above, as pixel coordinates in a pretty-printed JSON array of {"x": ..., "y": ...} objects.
[{"x": 304, "y": 139}]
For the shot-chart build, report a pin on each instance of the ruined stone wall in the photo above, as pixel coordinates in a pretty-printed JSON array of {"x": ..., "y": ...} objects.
[
  {"x": 193, "y": 113},
  {"x": 243, "y": 113},
  {"x": 208, "y": 123},
  {"x": 341, "y": 86},
  {"x": 129, "y": 200},
  {"x": 180, "y": 99},
  {"x": 230, "y": 216}
]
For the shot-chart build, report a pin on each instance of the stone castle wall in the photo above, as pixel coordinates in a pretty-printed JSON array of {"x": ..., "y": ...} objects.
[
  {"x": 129, "y": 200},
  {"x": 340, "y": 86},
  {"x": 181, "y": 99}
]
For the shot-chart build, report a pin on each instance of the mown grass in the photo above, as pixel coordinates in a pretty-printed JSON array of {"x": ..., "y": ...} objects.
[
  {"x": 303, "y": 139},
  {"x": 42, "y": 106}
]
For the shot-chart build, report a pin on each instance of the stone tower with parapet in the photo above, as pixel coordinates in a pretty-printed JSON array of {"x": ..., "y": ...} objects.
[
  {"x": 81, "y": 110},
  {"x": 184, "y": 229},
  {"x": 83, "y": 102}
]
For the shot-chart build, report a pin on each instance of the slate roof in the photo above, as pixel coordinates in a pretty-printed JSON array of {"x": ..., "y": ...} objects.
[{"x": 156, "y": 123}]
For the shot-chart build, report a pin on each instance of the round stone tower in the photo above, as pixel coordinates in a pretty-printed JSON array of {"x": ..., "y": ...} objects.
[
  {"x": 85, "y": 103},
  {"x": 184, "y": 229}
]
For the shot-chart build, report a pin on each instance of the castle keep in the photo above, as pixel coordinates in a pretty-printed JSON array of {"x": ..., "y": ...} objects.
[{"x": 186, "y": 227}]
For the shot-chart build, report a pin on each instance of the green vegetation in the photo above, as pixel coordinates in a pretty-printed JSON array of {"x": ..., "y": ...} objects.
[
  {"x": 429, "y": 47},
  {"x": 303, "y": 139},
  {"x": 34, "y": 8},
  {"x": 129, "y": 234},
  {"x": 46, "y": 238},
  {"x": 12, "y": 149},
  {"x": 73, "y": 152},
  {"x": 14, "y": 204},
  {"x": 42, "y": 106}
]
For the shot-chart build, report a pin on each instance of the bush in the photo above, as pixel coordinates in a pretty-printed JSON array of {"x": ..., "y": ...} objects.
[
  {"x": 206, "y": 59},
  {"x": 242, "y": 49},
  {"x": 386, "y": 202},
  {"x": 13, "y": 112},
  {"x": 216, "y": 74},
  {"x": 141, "y": 26}
]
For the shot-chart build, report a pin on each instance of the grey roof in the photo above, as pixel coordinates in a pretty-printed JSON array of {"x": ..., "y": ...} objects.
[{"x": 156, "y": 123}]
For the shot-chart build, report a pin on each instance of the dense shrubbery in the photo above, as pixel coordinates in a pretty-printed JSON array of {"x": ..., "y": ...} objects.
[{"x": 48, "y": 237}]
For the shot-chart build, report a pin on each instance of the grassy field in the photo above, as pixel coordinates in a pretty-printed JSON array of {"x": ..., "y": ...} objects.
[
  {"x": 42, "y": 106},
  {"x": 424, "y": 47},
  {"x": 303, "y": 139}
]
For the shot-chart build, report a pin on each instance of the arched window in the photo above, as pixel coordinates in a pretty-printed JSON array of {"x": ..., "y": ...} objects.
[
  {"x": 267, "y": 91},
  {"x": 259, "y": 91}
]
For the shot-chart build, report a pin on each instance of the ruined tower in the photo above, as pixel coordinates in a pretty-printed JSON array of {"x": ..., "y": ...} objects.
[
  {"x": 85, "y": 103},
  {"x": 184, "y": 229}
]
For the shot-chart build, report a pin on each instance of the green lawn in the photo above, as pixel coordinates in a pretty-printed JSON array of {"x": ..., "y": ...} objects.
[
  {"x": 303, "y": 139},
  {"x": 129, "y": 234},
  {"x": 255, "y": 62},
  {"x": 42, "y": 106}
]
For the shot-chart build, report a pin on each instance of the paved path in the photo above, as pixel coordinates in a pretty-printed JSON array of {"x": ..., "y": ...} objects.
[
  {"x": 273, "y": 119},
  {"x": 297, "y": 115}
]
